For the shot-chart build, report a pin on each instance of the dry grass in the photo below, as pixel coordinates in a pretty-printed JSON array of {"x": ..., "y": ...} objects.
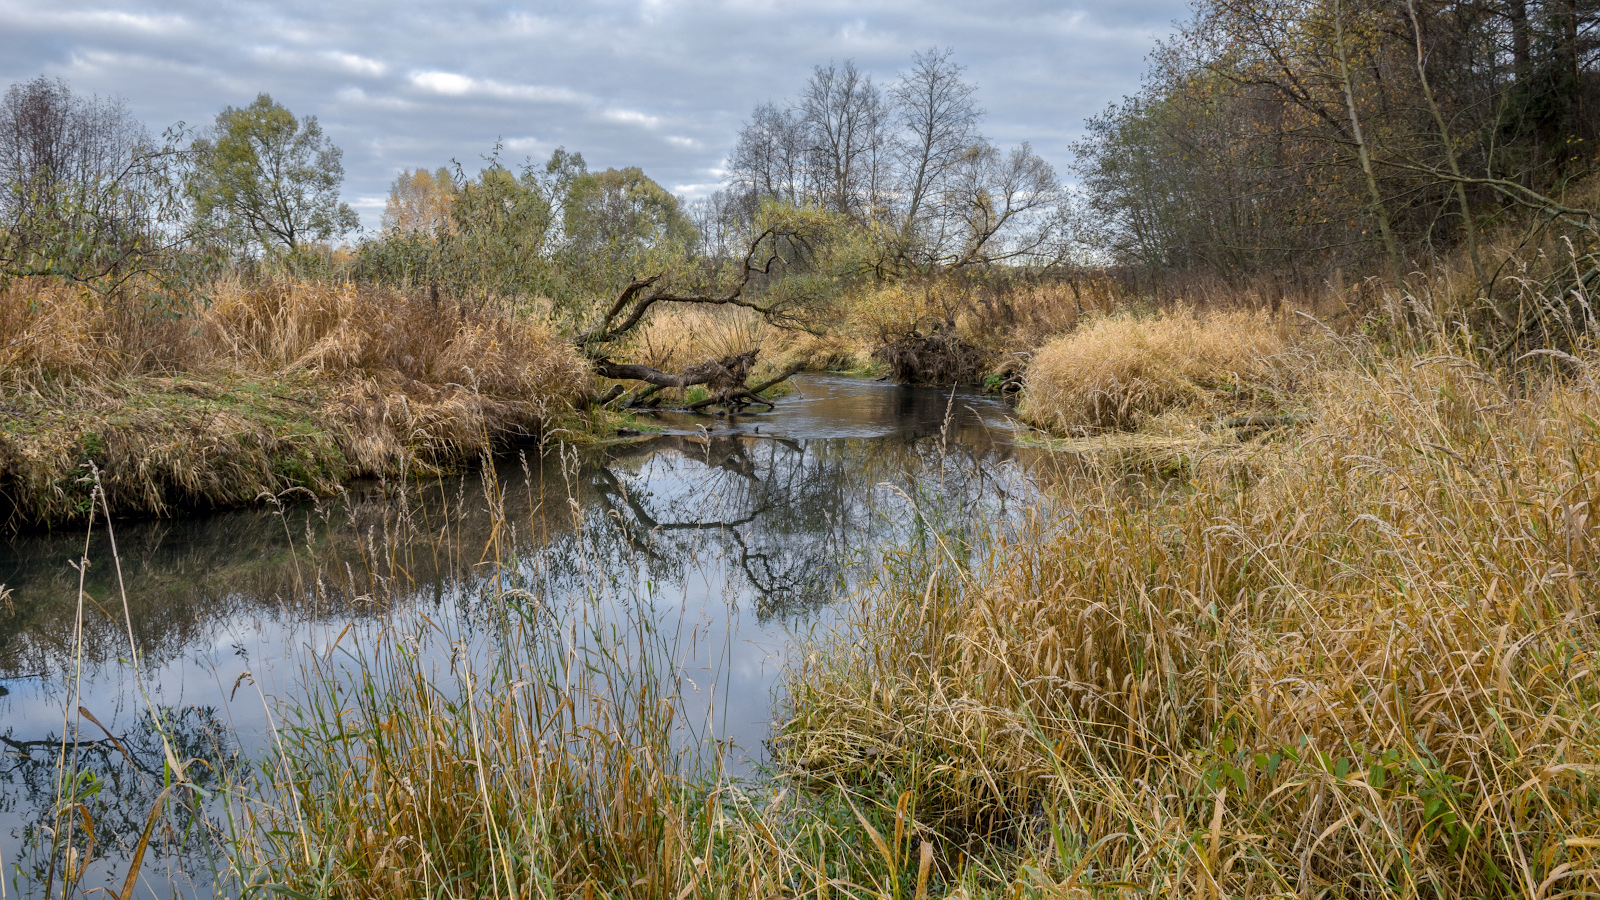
[
  {"x": 1369, "y": 671},
  {"x": 677, "y": 338},
  {"x": 1121, "y": 371},
  {"x": 265, "y": 388}
]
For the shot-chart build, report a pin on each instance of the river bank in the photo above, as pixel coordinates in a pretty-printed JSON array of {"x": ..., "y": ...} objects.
[
  {"x": 265, "y": 390},
  {"x": 688, "y": 565}
]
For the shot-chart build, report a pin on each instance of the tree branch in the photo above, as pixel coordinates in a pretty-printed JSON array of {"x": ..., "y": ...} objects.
[{"x": 604, "y": 332}]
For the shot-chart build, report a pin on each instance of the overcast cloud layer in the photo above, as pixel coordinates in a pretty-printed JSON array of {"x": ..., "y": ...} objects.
[{"x": 659, "y": 84}]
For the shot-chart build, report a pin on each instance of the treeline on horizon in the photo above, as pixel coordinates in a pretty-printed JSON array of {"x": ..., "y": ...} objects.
[
  {"x": 852, "y": 182},
  {"x": 1372, "y": 137}
]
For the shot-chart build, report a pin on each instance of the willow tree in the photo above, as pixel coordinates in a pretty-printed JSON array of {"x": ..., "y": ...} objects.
[{"x": 269, "y": 180}]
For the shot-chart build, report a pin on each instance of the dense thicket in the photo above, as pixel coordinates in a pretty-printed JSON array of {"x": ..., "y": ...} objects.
[
  {"x": 1294, "y": 134},
  {"x": 85, "y": 192}
]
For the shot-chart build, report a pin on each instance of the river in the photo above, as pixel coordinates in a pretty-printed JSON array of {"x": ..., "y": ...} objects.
[{"x": 729, "y": 536}]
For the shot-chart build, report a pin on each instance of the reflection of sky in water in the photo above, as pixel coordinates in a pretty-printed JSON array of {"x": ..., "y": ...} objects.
[{"x": 728, "y": 535}]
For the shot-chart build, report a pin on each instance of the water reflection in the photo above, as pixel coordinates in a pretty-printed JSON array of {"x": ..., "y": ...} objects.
[
  {"x": 86, "y": 794},
  {"x": 732, "y": 533}
]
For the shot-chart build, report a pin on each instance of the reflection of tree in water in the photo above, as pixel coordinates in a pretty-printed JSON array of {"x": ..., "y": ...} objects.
[
  {"x": 767, "y": 508},
  {"x": 788, "y": 517},
  {"x": 776, "y": 523},
  {"x": 96, "y": 817}
]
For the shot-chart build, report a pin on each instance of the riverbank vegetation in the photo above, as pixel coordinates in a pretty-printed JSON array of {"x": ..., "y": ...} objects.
[
  {"x": 1349, "y": 650},
  {"x": 1358, "y": 660},
  {"x": 268, "y": 388},
  {"x": 125, "y": 260}
]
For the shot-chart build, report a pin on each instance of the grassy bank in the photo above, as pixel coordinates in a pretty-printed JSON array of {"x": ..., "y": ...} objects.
[
  {"x": 1357, "y": 662},
  {"x": 1355, "y": 656},
  {"x": 263, "y": 389}
]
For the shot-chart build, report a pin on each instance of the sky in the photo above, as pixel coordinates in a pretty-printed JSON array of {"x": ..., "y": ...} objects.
[{"x": 659, "y": 84}]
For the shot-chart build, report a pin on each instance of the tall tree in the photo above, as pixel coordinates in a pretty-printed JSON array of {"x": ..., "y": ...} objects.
[
  {"x": 769, "y": 159},
  {"x": 938, "y": 120},
  {"x": 269, "y": 179},
  {"x": 845, "y": 117}
]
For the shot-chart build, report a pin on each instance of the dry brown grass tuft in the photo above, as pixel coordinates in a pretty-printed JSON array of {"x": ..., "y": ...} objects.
[
  {"x": 1120, "y": 371},
  {"x": 50, "y": 331},
  {"x": 1374, "y": 670},
  {"x": 265, "y": 388}
]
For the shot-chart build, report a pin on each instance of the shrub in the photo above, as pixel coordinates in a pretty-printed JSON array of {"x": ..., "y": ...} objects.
[{"x": 1120, "y": 371}]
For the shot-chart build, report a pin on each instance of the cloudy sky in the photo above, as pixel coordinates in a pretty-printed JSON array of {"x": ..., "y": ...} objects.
[{"x": 661, "y": 84}]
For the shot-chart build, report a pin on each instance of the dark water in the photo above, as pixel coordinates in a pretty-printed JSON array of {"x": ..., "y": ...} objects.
[{"x": 730, "y": 535}]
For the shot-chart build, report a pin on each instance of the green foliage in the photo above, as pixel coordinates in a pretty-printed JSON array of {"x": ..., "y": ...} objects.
[
  {"x": 86, "y": 194},
  {"x": 268, "y": 180},
  {"x": 1293, "y": 136},
  {"x": 619, "y": 225},
  {"x": 488, "y": 236}
]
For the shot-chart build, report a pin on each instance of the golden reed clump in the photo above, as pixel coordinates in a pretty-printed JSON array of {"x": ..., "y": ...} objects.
[
  {"x": 258, "y": 389},
  {"x": 1373, "y": 669},
  {"x": 1119, "y": 371}
]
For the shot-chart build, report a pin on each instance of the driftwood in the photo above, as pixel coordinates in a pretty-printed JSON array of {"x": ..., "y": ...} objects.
[
  {"x": 749, "y": 396},
  {"x": 721, "y": 375},
  {"x": 724, "y": 378}
]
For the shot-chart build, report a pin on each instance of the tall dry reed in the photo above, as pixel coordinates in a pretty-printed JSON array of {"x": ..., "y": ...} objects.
[
  {"x": 1366, "y": 663},
  {"x": 258, "y": 389},
  {"x": 1120, "y": 371}
]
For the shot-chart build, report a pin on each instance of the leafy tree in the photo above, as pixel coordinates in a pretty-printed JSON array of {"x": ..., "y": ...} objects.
[
  {"x": 420, "y": 201},
  {"x": 618, "y": 224},
  {"x": 1297, "y": 134},
  {"x": 268, "y": 179}
]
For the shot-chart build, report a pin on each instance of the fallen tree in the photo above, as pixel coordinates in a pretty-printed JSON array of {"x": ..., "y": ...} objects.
[{"x": 725, "y": 379}]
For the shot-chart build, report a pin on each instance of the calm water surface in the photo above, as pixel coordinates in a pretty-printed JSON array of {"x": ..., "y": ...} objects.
[{"x": 728, "y": 536}]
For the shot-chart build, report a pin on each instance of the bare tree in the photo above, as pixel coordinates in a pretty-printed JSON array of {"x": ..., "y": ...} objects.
[
  {"x": 844, "y": 116},
  {"x": 938, "y": 119},
  {"x": 49, "y": 136},
  {"x": 770, "y": 157},
  {"x": 720, "y": 220},
  {"x": 1007, "y": 207},
  {"x": 83, "y": 191}
]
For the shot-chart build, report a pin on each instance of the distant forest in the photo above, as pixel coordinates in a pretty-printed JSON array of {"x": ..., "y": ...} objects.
[{"x": 1280, "y": 134}]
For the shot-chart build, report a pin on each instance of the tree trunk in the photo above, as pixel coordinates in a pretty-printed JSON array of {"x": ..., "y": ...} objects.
[
  {"x": 1390, "y": 246},
  {"x": 1521, "y": 54}
]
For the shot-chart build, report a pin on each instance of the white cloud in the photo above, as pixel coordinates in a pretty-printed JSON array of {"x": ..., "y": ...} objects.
[
  {"x": 324, "y": 60},
  {"x": 36, "y": 15},
  {"x": 355, "y": 64},
  {"x": 456, "y": 85},
  {"x": 630, "y": 117},
  {"x": 355, "y": 96},
  {"x": 442, "y": 82},
  {"x": 696, "y": 191},
  {"x": 528, "y": 145}
]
